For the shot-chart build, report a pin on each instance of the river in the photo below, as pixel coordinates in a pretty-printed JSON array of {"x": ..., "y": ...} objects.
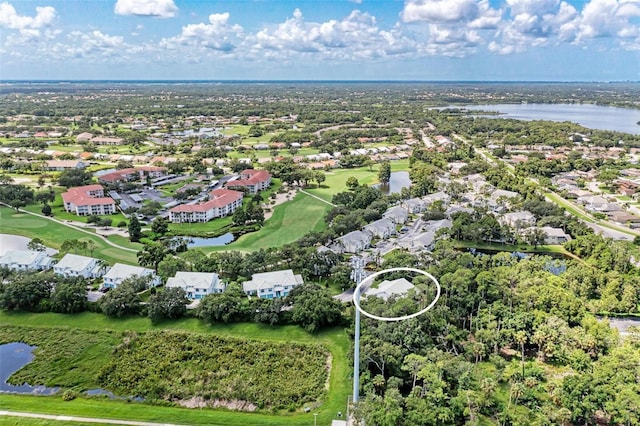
[{"x": 588, "y": 115}]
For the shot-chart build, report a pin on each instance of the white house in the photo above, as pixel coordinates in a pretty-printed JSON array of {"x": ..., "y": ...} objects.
[
  {"x": 196, "y": 284},
  {"x": 73, "y": 265},
  {"x": 120, "y": 272},
  {"x": 386, "y": 289},
  {"x": 381, "y": 228},
  {"x": 553, "y": 235},
  {"x": 398, "y": 214},
  {"x": 438, "y": 196},
  {"x": 520, "y": 219},
  {"x": 26, "y": 260},
  {"x": 414, "y": 205},
  {"x": 353, "y": 242},
  {"x": 269, "y": 285}
]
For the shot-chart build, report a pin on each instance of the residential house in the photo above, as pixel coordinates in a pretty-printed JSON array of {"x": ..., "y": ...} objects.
[
  {"x": 554, "y": 235},
  {"x": 414, "y": 205},
  {"x": 120, "y": 272},
  {"x": 73, "y": 265},
  {"x": 61, "y": 165},
  {"x": 196, "y": 285},
  {"x": 421, "y": 242},
  {"x": 434, "y": 225},
  {"x": 251, "y": 180},
  {"x": 88, "y": 200},
  {"x": 223, "y": 202},
  {"x": 438, "y": 196},
  {"x": 381, "y": 228},
  {"x": 387, "y": 288},
  {"x": 624, "y": 218},
  {"x": 25, "y": 260},
  {"x": 398, "y": 214},
  {"x": 105, "y": 140},
  {"x": 353, "y": 242},
  {"x": 270, "y": 285},
  {"x": 518, "y": 220},
  {"x": 133, "y": 174},
  {"x": 84, "y": 137}
]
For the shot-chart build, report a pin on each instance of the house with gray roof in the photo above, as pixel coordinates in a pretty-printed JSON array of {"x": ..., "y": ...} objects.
[
  {"x": 353, "y": 242},
  {"x": 196, "y": 285},
  {"x": 421, "y": 242},
  {"x": 521, "y": 219},
  {"x": 73, "y": 265},
  {"x": 414, "y": 205},
  {"x": 437, "y": 196},
  {"x": 381, "y": 228},
  {"x": 270, "y": 285},
  {"x": 398, "y": 214},
  {"x": 434, "y": 225},
  {"x": 387, "y": 288},
  {"x": 26, "y": 260},
  {"x": 120, "y": 272}
]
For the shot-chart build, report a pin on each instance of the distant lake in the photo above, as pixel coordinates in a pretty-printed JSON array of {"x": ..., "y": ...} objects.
[
  {"x": 14, "y": 356},
  {"x": 397, "y": 181},
  {"x": 588, "y": 115},
  {"x": 209, "y": 242},
  {"x": 17, "y": 242}
]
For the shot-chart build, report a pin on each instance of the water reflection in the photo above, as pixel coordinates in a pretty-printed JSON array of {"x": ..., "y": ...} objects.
[{"x": 14, "y": 356}]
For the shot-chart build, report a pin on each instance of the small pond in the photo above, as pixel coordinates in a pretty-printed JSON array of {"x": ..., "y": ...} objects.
[
  {"x": 14, "y": 356},
  {"x": 397, "y": 181},
  {"x": 209, "y": 242}
]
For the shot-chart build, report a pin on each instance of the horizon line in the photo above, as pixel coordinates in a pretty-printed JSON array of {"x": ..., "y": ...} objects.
[{"x": 10, "y": 81}]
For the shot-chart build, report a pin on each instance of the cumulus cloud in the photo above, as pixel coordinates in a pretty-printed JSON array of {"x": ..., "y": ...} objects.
[
  {"x": 156, "y": 8},
  {"x": 218, "y": 34},
  {"x": 355, "y": 36},
  {"x": 9, "y": 18}
]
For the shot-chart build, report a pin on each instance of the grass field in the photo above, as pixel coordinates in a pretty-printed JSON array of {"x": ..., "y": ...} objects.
[
  {"x": 289, "y": 222},
  {"x": 336, "y": 179},
  {"x": 53, "y": 234},
  {"x": 335, "y": 340}
]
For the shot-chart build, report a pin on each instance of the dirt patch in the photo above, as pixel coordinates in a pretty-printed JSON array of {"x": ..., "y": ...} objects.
[
  {"x": 233, "y": 404},
  {"x": 329, "y": 364}
]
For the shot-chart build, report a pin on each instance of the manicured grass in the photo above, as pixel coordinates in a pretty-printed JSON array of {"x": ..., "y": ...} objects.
[
  {"x": 290, "y": 221},
  {"x": 336, "y": 340},
  {"x": 336, "y": 179},
  {"x": 53, "y": 234}
]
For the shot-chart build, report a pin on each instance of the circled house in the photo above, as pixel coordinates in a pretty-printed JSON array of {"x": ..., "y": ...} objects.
[{"x": 222, "y": 203}]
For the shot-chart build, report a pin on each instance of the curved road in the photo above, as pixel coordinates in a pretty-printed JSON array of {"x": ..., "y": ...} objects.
[{"x": 76, "y": 228}]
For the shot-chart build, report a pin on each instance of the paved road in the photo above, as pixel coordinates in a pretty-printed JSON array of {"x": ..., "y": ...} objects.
[
  {"x": 74, "y": 227},
  {"x": 79, "y": 419}
]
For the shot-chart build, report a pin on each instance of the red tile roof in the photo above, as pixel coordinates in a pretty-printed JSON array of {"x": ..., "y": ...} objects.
[
  {"x": 121, "y": 174},
  {"x": 221, "y": 198},
  {"x": 250, "y": 177},
  {"x": 79, "y": 196}
]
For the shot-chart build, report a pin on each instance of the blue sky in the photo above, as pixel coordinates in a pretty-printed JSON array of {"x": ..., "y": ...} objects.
[{"x": 525, "y": 40}]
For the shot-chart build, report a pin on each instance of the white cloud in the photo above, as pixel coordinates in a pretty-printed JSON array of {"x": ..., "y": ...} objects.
[
  {"x": 29, "y": 25},
  {"x": 355, "y": 36},
  {"x": 440, "y": 11},
  {"x": 157, "y": 8},
  {"x": 218, "y": 34}
]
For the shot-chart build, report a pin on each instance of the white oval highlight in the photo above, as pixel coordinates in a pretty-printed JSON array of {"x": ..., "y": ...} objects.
[{"x": 370, "y": 278}]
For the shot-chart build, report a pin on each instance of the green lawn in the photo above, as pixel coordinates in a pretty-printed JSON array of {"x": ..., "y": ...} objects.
[
  {"x": 336, "y": 340},
  {"x": 289, "y": 222},
  {"x": 53, "y": 234},
  {"x": 336, "y": 179}
]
